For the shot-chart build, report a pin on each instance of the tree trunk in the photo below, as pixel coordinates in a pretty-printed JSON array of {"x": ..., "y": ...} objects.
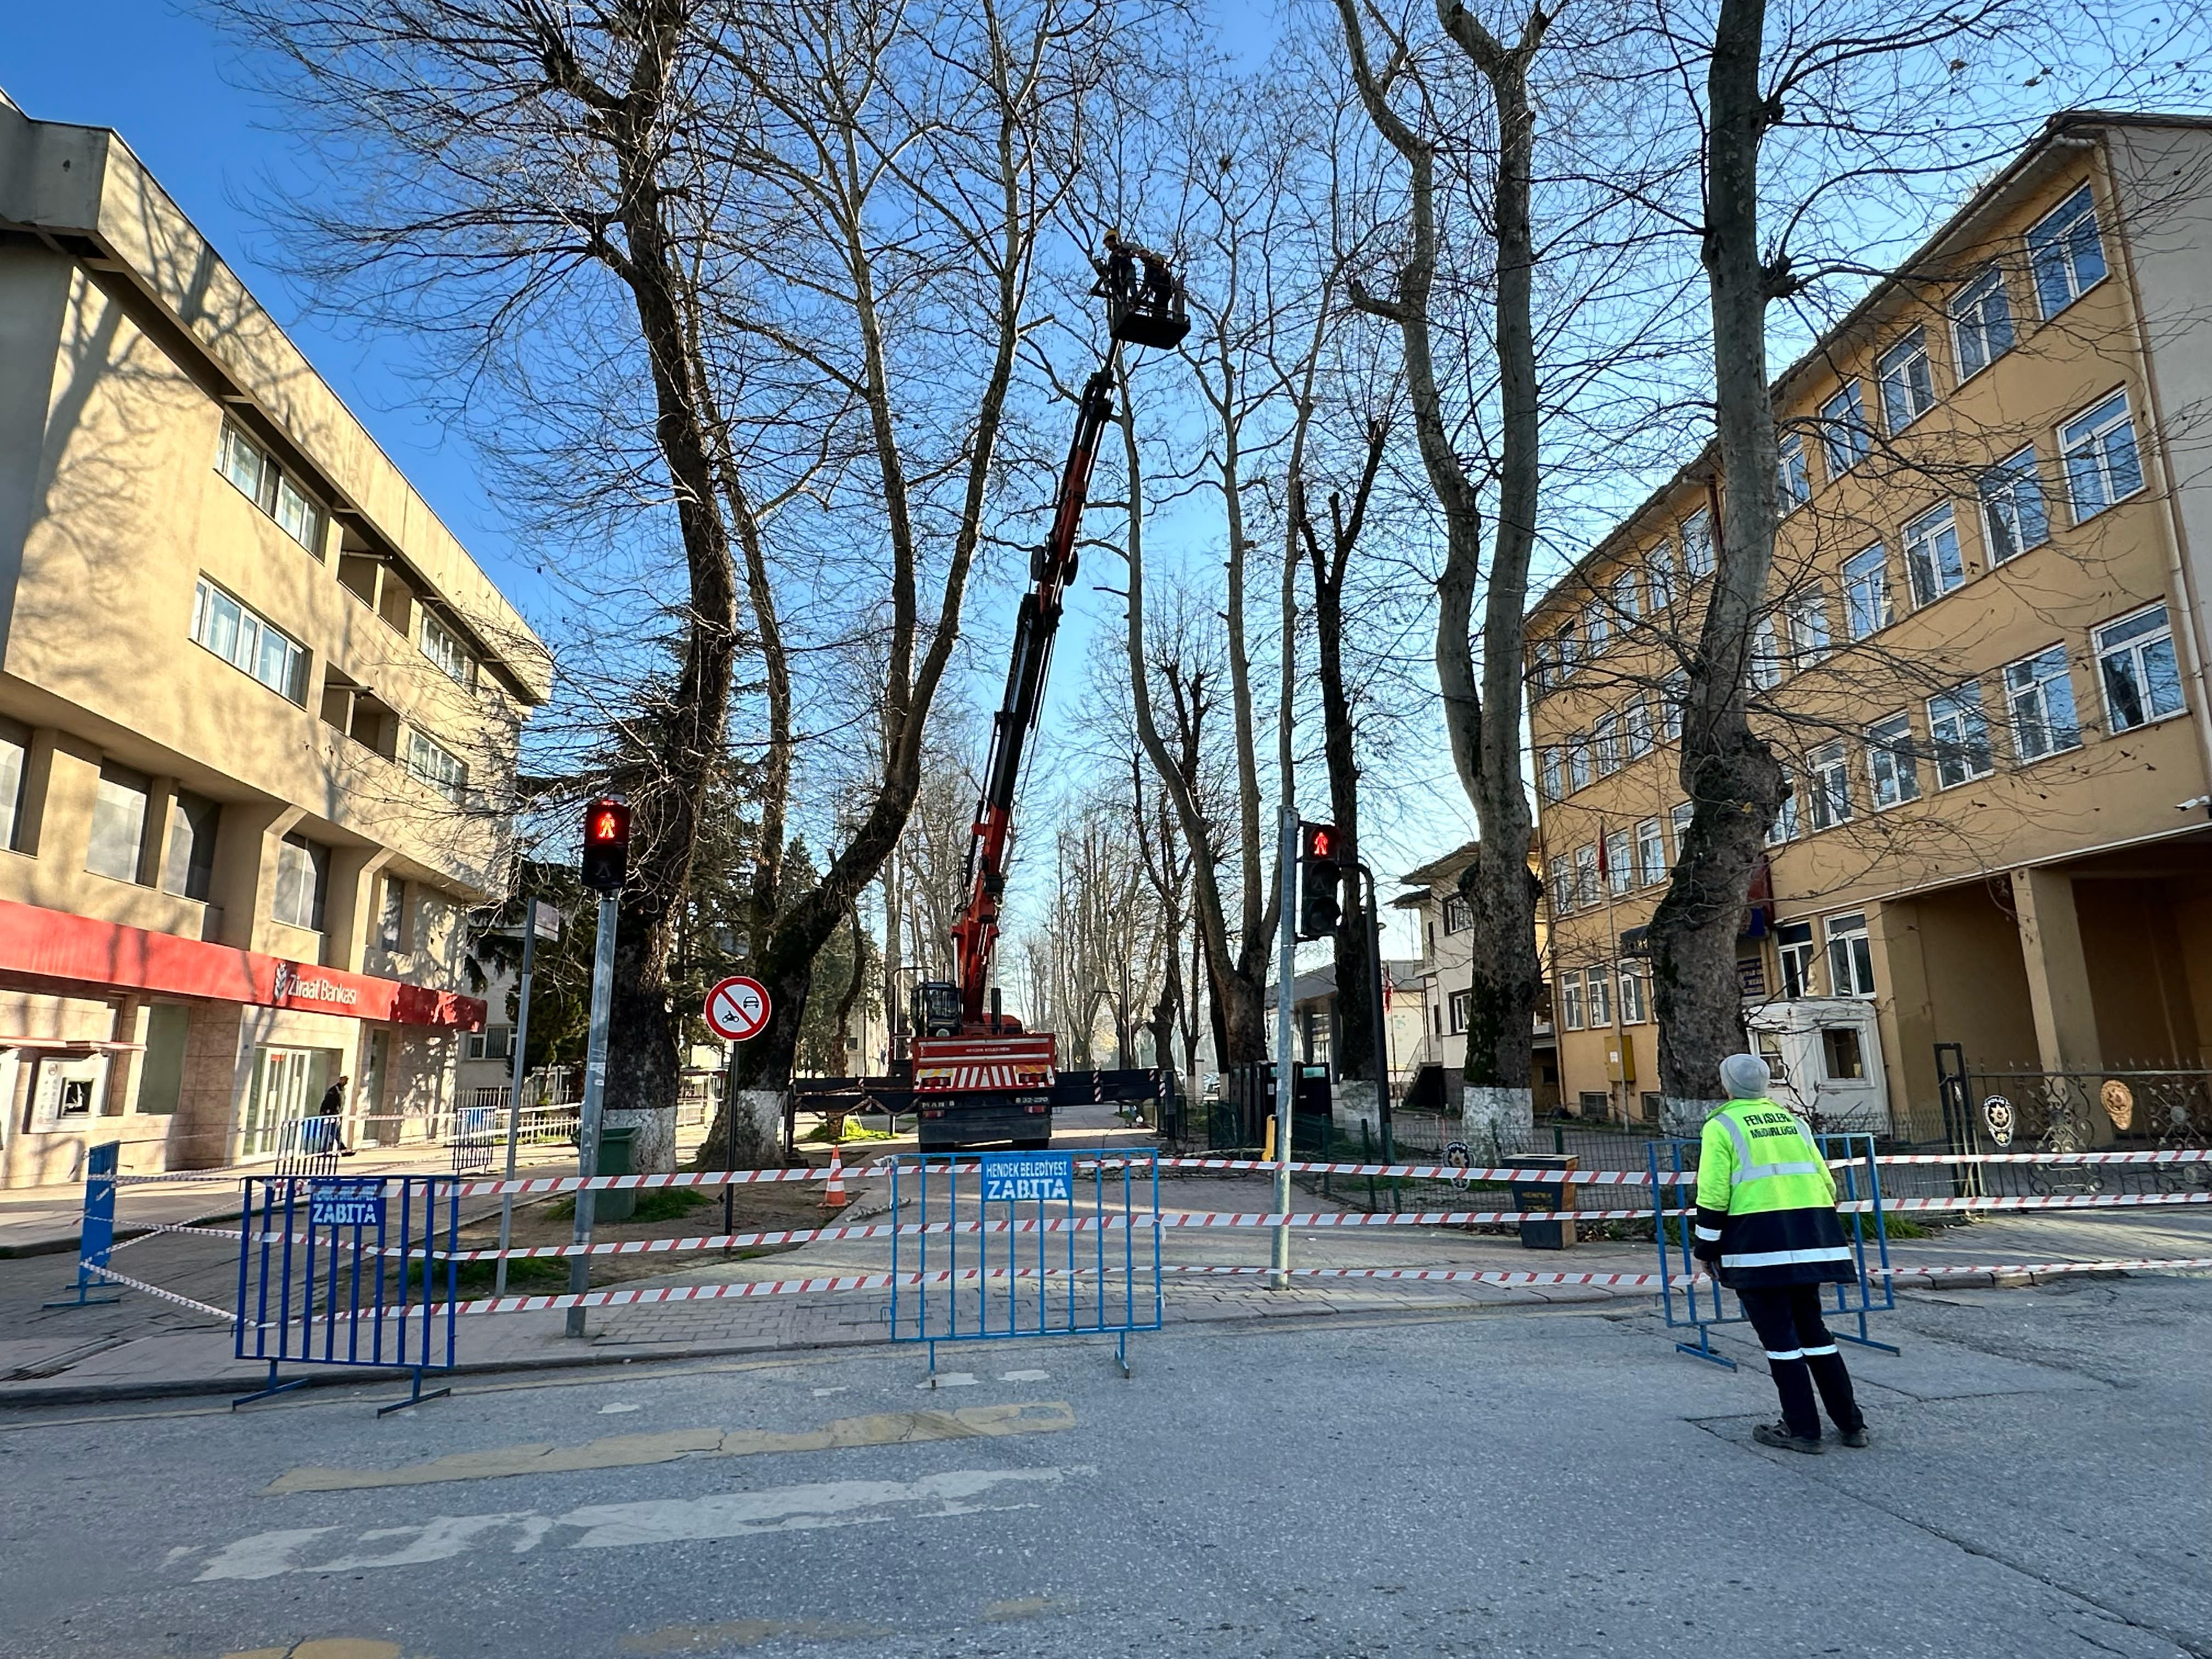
[{"x": 1729, "y": 774}]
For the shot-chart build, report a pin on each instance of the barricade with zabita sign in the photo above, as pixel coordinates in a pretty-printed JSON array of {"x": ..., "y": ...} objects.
[
  {"x": 992, "y": 1245},
  {"x": 1688, "y": 1301},
  {"x": 347, "y": 1270}
]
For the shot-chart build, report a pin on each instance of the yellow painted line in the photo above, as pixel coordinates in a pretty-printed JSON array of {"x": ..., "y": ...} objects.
[
  {"x": 621, "y": 1451},
  {"x": 328, "y": 1647}
]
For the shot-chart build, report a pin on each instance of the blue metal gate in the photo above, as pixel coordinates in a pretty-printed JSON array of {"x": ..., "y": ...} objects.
[
  {"x": 1674, "y": 1207},
  {"x": 347, "y": 1270},
  {"x": 1002, "y": 1244}
]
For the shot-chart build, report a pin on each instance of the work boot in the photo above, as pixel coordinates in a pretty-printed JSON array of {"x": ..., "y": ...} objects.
[
  {"x": 1778, "y": 1435},
  {"x": 1855, "y": 1439}
]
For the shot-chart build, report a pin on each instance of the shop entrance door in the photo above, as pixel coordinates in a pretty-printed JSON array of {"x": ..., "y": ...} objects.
[{"x": 287, "y": 1084}]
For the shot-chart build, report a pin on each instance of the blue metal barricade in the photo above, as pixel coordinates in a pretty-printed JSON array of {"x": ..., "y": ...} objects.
[
  {"x": 1007, "y": 1244},
  {"x": 1675, "y": 1206},
  {"x": 347, "y": 1270},
  {"x": 96, "y": 1238}
]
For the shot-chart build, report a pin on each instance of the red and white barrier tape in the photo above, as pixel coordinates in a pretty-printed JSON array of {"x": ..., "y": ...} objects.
[
  {"x": 2051, "y": 1202},
  {"x": 114, "y": 1277},
  {"x": 2176, "y": 1155},
  {"x": 2126, "y": 1265}
]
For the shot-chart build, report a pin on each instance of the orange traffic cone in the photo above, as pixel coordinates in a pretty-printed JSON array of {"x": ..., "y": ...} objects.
[{"x": 834, "y": 1196}]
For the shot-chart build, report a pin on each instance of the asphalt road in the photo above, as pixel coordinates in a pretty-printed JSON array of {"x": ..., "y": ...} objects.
[{"x": 1487, "y": 1484}]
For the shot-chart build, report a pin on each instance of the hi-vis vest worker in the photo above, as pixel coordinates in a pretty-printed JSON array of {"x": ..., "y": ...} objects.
[{"x": 1768, "y": 1223}]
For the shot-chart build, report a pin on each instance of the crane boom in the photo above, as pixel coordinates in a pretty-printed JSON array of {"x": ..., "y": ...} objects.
[{"x": 975, "y": 935}]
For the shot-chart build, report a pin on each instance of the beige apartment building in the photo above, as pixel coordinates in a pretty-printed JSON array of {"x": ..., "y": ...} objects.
[
  {"x": 258, "y": 710},
  {"x": 1982, "y": 666}
]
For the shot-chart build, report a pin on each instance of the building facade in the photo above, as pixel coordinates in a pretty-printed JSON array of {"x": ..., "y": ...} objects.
[
  {"x": 259, "y": 709},
  {"x": 1980, "y": 662}
]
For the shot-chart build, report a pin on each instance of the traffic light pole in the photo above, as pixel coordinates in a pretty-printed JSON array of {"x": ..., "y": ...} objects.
[
  {"x": 1381, "y": 1005},
  {"x": 1286, "y": 969},
  {"x": 595, "y": 1088}
]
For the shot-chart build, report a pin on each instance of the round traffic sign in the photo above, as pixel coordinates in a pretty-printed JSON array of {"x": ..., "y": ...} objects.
[{"x": 737, "y": 1008}]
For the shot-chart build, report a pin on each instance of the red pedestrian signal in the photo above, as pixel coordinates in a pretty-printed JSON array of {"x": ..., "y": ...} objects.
[
  {"x": 1319, "y": 874},
  {"x": 606, "y": 844}
]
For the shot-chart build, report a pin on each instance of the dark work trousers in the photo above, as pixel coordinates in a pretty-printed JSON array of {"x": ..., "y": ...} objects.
[{"x": 1801, "y": 1356}]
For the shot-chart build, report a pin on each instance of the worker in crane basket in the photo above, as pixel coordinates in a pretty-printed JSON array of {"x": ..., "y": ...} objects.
[
  {"x": 1768, "y": 1228},
  {"x": 1121, "y": 260}
]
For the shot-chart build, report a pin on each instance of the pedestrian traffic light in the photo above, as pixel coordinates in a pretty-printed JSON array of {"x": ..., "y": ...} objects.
[
  {"x": 606, "y": 843},
  {"x": 1319, "y": 872}
]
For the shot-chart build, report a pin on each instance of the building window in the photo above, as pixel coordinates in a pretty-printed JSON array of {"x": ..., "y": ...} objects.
[
  {"x": 1462, "y": 1009},
  {"x": 1619, "y": 867},
  {"x": 1578, "y": 762},
  {"x": 1673, "y": 692},
  {"x": 1650, "y": 853},
  {"x": 1851, "y": 957},
  {"x": 1631, "y": 994},
  {"x": 1698, "y": 545},
  {"x": 1793, "y": 944},
  {"x": 2039, "y": 703},
  {"x": 1829, "y": 802},
  {"x": 1765, "y": 665},
  {"x": 248, "y": 642},
  {"x": 15, "y": 753},
  {"x": 1659, "y": 567},
  {"x": 1842, "y": 1055},
  {"x": 1566, "y": 646},
  {"x": 188, "y": 867},
  {"x": 303, "y": 875},
  {"x": 1571, "y": 1001},
  {"x": 119, "y": 824},
  {"x": 2013, "y": 513},
  {"x": 391, "y": 915},
  {"x": 1562, "y": 885},
  {"x": 1635, "y": 732},
  {"x": 1793, "y": 483},
  {"x": 1931, "y": 555},
  {"x": 1459, "y": 915},
  {"x": 492, "y": 1043},
  {"x": 1784, "y": 827},
  {"x": 1586, "y": 884},
  {"x": 1623, "y": 593},
  {"x": 1981, "y": 322},
  {"x": 1595, "y": 629},
  {"x": 1959, "y": 733},
  {"x": 435, "y": 766},
  {"x": 261, "y": 481},
  {"x": 1597, "y": 998},
  {"x": 1605, "y": 743},
  {"x": 1891, "y": 762},
  {"x": 443, "y": 647},
  {"x": 2099, "y": 452},
  {"x": 2065, "y": 253},
  {"x": 2136, "y": 665},
  {"x": 1806, "y": 615},
  {"x": 1908, "y": 389},
  {"x": 1552, "y": 774},
  {"x": 1866, "y": 591},
  {"x": 1845, "y": 439},
  {"x": 1678, "y": 824}
]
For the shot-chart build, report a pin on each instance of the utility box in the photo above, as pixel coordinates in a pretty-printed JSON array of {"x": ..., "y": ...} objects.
[
  {"x": 1620, "y": 1056},
  {"x": 1546, "y": 1195},
  {"x": 616, "y": 1158}
]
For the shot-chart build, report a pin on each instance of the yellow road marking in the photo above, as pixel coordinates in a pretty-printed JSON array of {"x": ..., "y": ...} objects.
[
  {"x": 328, "y": 1647},
  {"x": 620, "y": 1451}
]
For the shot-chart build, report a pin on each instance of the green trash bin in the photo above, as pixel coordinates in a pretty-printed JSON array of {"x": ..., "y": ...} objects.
[{"x": 615, "y": 1159}]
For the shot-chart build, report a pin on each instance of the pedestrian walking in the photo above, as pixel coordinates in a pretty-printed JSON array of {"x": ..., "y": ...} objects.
[
  {"x": 329, "y": 1114},
  {"x": 1767, "y": 1225}
]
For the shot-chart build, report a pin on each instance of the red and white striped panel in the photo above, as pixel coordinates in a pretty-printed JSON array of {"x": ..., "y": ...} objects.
[{"x": 980, "y": 1077}]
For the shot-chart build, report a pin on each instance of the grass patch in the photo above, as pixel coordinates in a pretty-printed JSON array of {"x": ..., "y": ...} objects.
[
  {"x": 525, "y": 1276},
  {"x": 660, "y": 1204}
]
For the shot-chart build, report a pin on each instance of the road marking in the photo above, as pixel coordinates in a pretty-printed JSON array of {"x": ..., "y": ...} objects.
[
  {"x": 950, "y": 1380},
  {"x": 1024, "y": 1377},
  {"x": 623, "y": 1452},
  {"x": 619, "y": 1406},
  {"x": 657, "y": 1521},
  {"x": 823, "y": 1394},
  {"x": 327, "y": 1647}
]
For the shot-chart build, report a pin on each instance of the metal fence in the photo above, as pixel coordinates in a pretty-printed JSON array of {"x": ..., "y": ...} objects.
[{"x": 2018, "y": 1109}]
